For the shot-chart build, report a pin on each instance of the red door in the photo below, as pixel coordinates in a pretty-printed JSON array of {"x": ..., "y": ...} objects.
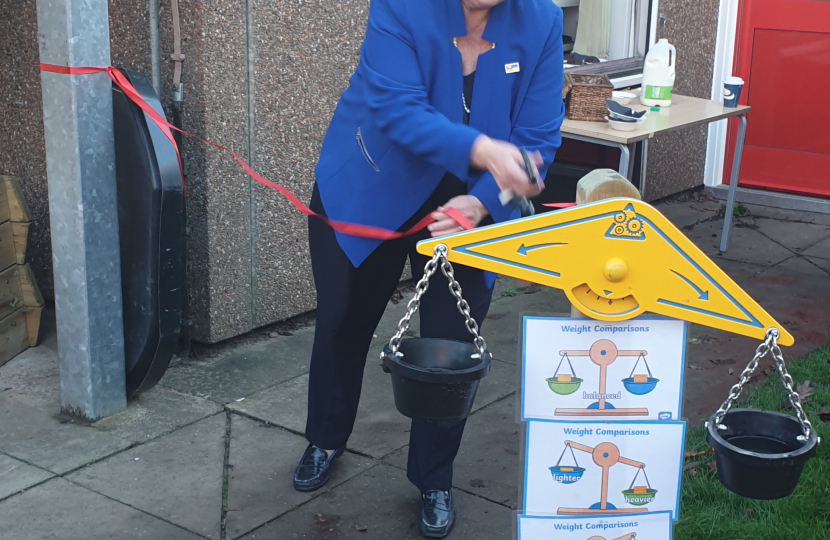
[{"x": 783, "y": 56}]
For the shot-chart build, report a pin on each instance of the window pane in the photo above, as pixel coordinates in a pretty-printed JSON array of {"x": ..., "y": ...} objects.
[{"x": 611, "y": 32}]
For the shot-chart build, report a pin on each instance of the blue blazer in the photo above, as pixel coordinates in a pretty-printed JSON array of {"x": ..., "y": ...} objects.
[{"x": 398, "y": 126}]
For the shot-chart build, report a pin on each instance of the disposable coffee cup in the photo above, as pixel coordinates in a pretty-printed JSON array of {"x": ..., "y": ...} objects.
[{"x": 732, "y": 91}]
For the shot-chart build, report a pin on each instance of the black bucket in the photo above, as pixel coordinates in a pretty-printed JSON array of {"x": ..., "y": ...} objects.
[
  {"x": 759, "y": 455},
  {"x": 435, "y": 379}
]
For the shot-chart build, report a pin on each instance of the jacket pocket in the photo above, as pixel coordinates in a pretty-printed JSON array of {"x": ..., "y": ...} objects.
[{"x": 365, "y": 152}]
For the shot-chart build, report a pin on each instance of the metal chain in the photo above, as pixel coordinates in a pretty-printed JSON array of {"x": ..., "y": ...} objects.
[
  {"x": 463, "y": 306},
  {"x": 439, "y": 257},
  {"x": 415, "y": 303},
  {"x": 769, "y": 345},
  {"x": 787, "y": 380}
]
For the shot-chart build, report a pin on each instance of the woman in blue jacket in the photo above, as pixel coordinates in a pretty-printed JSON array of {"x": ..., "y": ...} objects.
[{"x": 445, "y": 93}]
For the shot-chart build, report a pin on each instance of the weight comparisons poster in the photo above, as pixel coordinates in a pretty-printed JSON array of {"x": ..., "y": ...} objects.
[
  {"x": 587, "y": 370},
  {"x": 656, "y": 526},
  {"x": 580, "y": 469}
]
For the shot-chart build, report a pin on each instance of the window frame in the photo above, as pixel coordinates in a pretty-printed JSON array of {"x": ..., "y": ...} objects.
[{"x": 626, "y": 72}]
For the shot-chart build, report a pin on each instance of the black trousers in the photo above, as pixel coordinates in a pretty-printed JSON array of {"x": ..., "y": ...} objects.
[{"x": 350, "y": 303}]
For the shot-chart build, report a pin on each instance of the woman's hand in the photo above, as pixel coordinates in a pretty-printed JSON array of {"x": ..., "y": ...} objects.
[
  {"x": 469, "y": 206},
  {"x": 506, "y": 164}
]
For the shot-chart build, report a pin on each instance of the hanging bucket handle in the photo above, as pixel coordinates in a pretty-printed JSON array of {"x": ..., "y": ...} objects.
[
  {"x": 439, "y": 258},
  {"x": 769, "y": 345},
  {"x": 564, "y": 357},
  {"x": 567, "y": 447},
  {"x": 642, "y": 356},
  {"x": 643, "y": 470}
]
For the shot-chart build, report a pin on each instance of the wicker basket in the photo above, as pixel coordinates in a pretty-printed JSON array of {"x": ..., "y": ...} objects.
[{"x": 586, "y": 95}]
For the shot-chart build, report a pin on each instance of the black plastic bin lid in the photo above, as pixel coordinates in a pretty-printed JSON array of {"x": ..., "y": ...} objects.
[{"x": 151, "y": 221}]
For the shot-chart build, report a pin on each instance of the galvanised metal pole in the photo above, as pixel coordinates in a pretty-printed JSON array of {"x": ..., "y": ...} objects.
[{"x": 80, "y": 167}]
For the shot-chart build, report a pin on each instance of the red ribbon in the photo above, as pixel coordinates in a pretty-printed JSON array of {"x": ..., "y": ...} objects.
[{"x": 352, "y": 229}]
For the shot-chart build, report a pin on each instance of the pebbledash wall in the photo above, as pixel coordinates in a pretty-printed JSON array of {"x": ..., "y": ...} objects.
[{"x": 262, "y": 77}]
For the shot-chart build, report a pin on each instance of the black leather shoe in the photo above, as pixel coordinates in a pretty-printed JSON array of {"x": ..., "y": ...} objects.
[
  {"x": 314, "y": 469},
  {"x": 437, "y": 513}
]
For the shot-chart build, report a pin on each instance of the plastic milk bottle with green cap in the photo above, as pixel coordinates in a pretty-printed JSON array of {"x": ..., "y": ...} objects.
[{"x": 658, "y": 75}]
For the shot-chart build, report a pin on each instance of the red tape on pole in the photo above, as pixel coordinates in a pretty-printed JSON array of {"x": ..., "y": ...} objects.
[{"x": 352, "y": 229}]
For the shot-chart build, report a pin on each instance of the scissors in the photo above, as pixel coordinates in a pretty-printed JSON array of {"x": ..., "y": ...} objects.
[{"x": 520, "y": 203}]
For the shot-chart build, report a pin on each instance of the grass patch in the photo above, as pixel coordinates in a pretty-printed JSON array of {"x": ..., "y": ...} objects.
[
  {"x": 738, "y": 211},
  {"x": 708, "y": 511}
]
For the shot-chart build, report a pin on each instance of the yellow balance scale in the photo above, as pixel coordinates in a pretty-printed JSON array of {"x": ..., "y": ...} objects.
[
  {"x": 614, "y": 259},
  {"x": 618, "y": 258}
]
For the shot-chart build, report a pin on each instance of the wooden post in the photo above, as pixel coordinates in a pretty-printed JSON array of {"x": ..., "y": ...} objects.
[{"x": 599, "y": 185}]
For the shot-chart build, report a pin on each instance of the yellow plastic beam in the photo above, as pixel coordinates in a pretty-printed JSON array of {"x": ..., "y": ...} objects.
[{"x": 614, "y": 259}]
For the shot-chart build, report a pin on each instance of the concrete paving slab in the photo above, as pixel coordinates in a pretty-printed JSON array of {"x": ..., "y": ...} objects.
[
  {"x": 745, "y": 244},
  {"x": 177, "y": 478},
  {"x": 684, "y": 214},
  {"x": 502, "y": 328},
  {"x": 794, "y": 292},
  {"x": 155, "y": 413},
  {"x": 792, "y": 235},
  {"x": 16, "y": 476},
  {"x": 33, "y": 376},
  {"x": 506, "y": 286},
  {"x": 244, "y": 370},
  {"x": 788, "y": 215},
  {"x": 41, "y": 438},
  {"x": 710, "y": 355},
  {"x": 62, "y": 510},
  {"x": 262, "y": 462},
  {"x": 824, "y": 264},
  {"x": 379, "y": 428},
  {"x": 381, "y": 504},
  {"x": 819, "y": 249},
  {"x": 283, "y": 405},
  {"x": 489, "y": 461},
  {"x": 252, "y": 367},
  {"x": 797, "y": 294}
]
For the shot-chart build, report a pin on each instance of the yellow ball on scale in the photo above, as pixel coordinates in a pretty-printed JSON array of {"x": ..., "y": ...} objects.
[{"x": 615, "y": 270}]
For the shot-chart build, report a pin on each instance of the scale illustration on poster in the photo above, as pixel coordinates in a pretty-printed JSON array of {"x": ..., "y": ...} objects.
[
  {"x": 581, "y": 369},
  {"x": 605, "y": 455},
  {"x": 655, "y": 526},
  {"x": 603, "y": 353},
  {"x": 602, "y": 468}
]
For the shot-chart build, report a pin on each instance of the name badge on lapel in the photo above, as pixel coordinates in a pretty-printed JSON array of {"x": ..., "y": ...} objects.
[{"x": 511, "y": 68}]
